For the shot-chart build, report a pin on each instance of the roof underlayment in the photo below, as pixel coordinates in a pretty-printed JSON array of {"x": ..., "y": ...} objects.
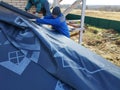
[{"x": 33, "y": 57}]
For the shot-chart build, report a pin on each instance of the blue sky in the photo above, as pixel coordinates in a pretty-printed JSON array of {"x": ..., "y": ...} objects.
[{"x": 94, "y": 2}]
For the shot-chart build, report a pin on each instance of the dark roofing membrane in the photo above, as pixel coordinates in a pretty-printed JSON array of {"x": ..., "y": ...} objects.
[{"x": 33, "y": 57}]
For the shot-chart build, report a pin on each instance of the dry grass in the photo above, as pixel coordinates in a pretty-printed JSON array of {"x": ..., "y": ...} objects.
[{"x": 104, "y": 42}]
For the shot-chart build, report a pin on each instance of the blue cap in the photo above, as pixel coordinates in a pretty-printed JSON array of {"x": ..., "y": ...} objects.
[{"x": 56, "y": 11}]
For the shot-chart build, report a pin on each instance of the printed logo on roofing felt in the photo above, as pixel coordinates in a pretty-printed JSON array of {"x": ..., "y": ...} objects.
[
  {"x": 76, "y": 64},
  {"x": 14, "y": 59},
  {"x": 10, "y": 57},
  {"x": 17, "y": 62}
]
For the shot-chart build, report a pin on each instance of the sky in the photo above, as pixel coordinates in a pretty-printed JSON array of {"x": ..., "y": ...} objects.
[{"x": 93, "y": 2}]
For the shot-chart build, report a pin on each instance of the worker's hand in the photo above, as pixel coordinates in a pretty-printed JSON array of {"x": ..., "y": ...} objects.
[
  {"x": 33, "y": 20},
  {"x": 42, "y": 17},
  {"x": 36, "y": 14}
]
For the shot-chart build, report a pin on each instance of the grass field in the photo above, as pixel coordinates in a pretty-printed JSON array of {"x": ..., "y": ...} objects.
[
  {"x": 104, "y": 14},
  {"x": 100, "y": 14}
]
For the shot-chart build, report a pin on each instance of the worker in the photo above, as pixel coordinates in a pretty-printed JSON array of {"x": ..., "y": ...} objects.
[
  {"x": 57, "y": 20},
  {"x": 40, "y": 5}
]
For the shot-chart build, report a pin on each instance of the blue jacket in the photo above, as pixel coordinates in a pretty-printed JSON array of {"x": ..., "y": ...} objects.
[{"x": 59, "y": 24}]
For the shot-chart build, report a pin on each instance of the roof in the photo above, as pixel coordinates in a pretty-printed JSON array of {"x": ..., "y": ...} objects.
[{"x": 33, "y": 57}]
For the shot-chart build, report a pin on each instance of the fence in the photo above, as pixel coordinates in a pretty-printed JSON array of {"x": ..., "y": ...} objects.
[{"x": 97, "y": 22}]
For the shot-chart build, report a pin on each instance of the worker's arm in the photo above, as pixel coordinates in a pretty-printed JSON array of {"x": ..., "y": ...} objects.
[
  {"x": 48, "y": 21},
  {"x": 48, "y": 17},
  {"x": 33, "y": 20}
]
